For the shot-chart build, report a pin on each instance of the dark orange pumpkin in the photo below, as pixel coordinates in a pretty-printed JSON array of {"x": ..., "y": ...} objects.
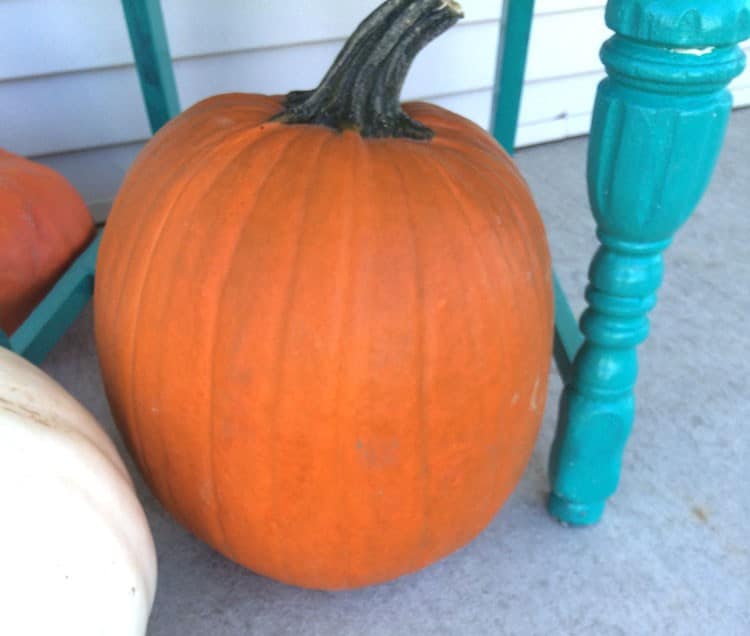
[
  {"x": 325, "y": 329},
  {"x": 44, "y": 225}
]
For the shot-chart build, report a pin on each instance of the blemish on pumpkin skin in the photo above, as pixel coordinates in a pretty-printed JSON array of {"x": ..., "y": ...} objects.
[
  {"x": 700, "y": 514},
  {"x": 23, "y": 411},
  {"x": 52, "y": 422},
  {"x": 206, "y": 493},
  {"x": 378, "y": 454},
  {"x": 534, "y": 404},
  {"x": 222, "y": 121}
]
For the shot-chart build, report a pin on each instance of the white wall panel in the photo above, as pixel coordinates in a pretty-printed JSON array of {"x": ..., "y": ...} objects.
[
  {"x": 50, "y": 114},
  {"x": 560, "y": 6},
  {"x": 565, "y": 44},
  {"x": 40, "y": 37}
]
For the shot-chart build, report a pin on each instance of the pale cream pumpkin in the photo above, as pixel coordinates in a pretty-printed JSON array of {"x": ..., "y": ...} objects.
[{"x": 76, "y": 552}]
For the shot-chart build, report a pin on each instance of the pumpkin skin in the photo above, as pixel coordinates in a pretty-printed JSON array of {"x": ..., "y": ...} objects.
[
  {"x": 44, "y": 225},
  {"x": 327, "y": 353},
  {"x": 76, "y": 551}
]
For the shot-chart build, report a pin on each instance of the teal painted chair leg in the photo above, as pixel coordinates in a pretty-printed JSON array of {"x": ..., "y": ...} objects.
[
  {"x": 511, "y": 68},
  {"x": 658, "y": 126},
  {"x": 148, "y": 38}
]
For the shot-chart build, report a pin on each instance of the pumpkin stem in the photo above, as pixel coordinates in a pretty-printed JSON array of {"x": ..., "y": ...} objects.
[{"x": 362, "y": 90}]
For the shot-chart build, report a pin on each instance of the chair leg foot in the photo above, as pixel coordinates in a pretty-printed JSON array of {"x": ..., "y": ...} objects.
[{"x": 575, "y": 513}]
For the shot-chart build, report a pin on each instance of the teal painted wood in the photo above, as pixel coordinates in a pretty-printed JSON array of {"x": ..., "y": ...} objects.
[
  {"x": 148, "y": 39},
  {"x": 658, "y": 126},
  {"x": 512, "y": 52},
  {"x": 53, "y": 316},
  {"x": 568, "y": 336}
]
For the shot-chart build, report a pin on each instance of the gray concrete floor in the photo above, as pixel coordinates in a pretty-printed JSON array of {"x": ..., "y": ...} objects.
[{"x": 672, "y": 555}]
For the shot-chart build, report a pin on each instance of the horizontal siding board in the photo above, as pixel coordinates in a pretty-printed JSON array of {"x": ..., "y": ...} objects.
[
  {"x": 559, "y": 98},
  {"x": 196, "y": 28},
  {"x": 54, "y": 112},
  {"x": 42, "y": 37},
  {"x": 542, "y": 7},
  {"x": 460, "y": 54},
  {"x": 105, "y": 107},
  {"x": 59, "y": 113},
  {"x": 742, "y": 96},
  {"x": 96, "y": 173},
  {"x": 566, "y": 44}
]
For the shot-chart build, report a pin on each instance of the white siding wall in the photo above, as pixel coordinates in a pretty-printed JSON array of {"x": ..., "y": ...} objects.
[{"x": 67, "y": 81}]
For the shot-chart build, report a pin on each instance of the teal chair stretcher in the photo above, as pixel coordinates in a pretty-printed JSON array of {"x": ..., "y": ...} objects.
[{"x": 58, "y": 310}]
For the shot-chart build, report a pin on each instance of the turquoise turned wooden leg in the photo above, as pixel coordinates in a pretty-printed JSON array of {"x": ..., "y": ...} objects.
[{"x": 658, "y": 125}]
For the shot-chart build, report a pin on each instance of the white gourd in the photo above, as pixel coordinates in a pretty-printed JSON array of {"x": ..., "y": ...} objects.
[{"x": 76, "y": 553}]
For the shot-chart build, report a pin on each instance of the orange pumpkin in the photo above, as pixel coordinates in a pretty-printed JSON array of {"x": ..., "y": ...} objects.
[
  {"x": 324, "y": 328},
  {"x": 44, "y": 225}
]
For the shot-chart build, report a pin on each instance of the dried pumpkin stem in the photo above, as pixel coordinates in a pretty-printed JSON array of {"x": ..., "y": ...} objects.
[{"x": 362, "y": 90}]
